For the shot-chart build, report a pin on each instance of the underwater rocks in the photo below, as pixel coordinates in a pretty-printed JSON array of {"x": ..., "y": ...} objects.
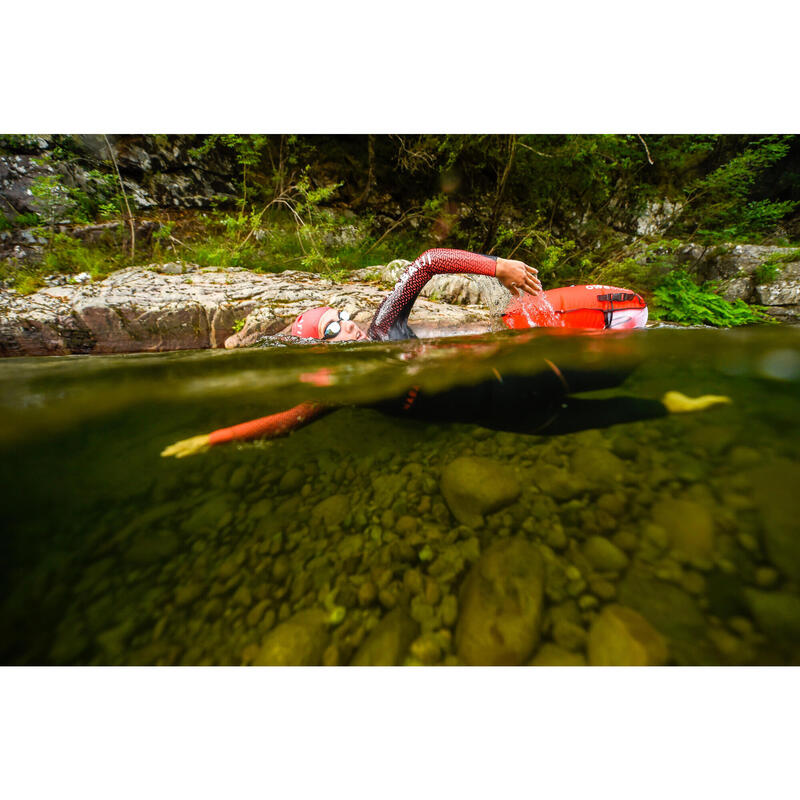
[
  {"x": 274, "y": 543},
  {"x": 142, "y": 310},
  {"x": 688, "y": 525},
  {"x": 298, "y": 642},
  {"x": 501, "y": 605},
  {"x": 473, "y": 487},
  {"x": 775, "y": 488},
  {"x": 777, "y": 614},
  {"x": 604, "y": 555},
  {"x": 389, "y": 641},
  {"x": 620, "y": 637}
]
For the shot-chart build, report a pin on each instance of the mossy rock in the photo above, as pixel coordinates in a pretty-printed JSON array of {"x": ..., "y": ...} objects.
[
  {"x": 621, "y": 637},
  {"x": 473, "y": 487},
  {"x": 689, "y": 526},
  {"x": 776, "y": 495},
  {"x": 672, "y": 612},
  {"x": 332, "y": 510},
  {"x": 776, "y": 613},
  {"x": 298, "y": 642},
  {"x": 598, "y": 467},
  {"x": 388, "y": 642},
  {"x": 501, "y": 605},
  {"x": 551, "y": 655},
  {"x": 604, "y": 555}
]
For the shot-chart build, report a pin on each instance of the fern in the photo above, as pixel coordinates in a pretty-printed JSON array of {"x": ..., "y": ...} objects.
[{"x": 679, "y": 299}]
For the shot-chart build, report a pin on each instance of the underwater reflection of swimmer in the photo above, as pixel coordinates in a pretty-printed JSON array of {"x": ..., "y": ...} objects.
[{"x": 541, "y": 403}]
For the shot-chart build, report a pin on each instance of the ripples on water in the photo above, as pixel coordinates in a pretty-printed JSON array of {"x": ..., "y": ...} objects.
[{"x": 112, "y": 555}]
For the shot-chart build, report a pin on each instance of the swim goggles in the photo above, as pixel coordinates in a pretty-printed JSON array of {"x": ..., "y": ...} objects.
[{"x": 334, "y": 327}]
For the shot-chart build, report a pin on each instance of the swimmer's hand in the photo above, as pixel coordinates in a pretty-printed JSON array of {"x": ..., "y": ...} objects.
[
  {"x": 678, "y": 403},
  {"x": 187, "y": 447},
  {"x": 516, "y": 275}
]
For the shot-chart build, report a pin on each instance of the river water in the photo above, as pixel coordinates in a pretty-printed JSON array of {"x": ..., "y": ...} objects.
[{"x": 667, "y": 541}]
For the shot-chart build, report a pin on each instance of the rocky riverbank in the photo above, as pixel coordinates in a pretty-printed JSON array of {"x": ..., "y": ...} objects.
[
  {"x": 179, "y": 306},
  {"x": 183, "y": 307}
]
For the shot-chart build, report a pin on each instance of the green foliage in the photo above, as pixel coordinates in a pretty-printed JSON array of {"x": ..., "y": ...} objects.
[
  {"x": 70, "y": 256},
  {"x": 772, "y": 268},
  {"x": 28, "y": 283},
  {"x": 238, "y": 325},
  {"x": 567, "y": 204},
  {"x": 718, "y": 202},
  {"x": 679, "y": 299}
]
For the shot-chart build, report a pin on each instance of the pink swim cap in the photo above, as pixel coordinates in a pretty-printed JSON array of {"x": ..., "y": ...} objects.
[{"x": 306, "y": 326}]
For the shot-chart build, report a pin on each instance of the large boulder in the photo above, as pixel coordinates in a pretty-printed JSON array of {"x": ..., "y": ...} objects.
[
  {"x": 689, "y": 526},
  {"x": 762, "y": 274},
  {"x": 673, "y": 612},
  {"x": 501, "y": 605},
  {"x": 776, "y": 613},
  {"x": 388, "y": 642},
  {"x": 473, "y": 487},
  {"x": 775, "y": 493},
  {"x": 298, "y": 642},
  {"x": 620, "y": 637}
]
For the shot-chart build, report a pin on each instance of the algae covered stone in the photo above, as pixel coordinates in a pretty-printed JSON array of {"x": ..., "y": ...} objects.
[
  {"x": 501, "y": 605},
  {"x": 689, "y": 526},
  {"x": 332, "y": 510},
  {"x": 388, "y": 642},
  {"x": 672, "y": 611},
  {"x": 604, "y": 555},
  {"x": 621, "y": 637},
  {"x": 551, "y": 655},
  {"x": 776, "y": 613},
  {"x": 300, "y": 641},
  {"x": 776, "y": 493},
  {"x": 473, "y": 487}
]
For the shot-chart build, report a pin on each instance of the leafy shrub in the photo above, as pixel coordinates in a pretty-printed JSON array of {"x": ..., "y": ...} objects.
[{"x": 679, "y": 299}]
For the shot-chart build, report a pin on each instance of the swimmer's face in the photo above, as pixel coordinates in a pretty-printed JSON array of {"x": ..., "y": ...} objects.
[{"x": 349, "y": 331}]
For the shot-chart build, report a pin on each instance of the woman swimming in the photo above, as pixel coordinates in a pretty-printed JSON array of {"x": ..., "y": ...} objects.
[{"x": 541, "y": 403}]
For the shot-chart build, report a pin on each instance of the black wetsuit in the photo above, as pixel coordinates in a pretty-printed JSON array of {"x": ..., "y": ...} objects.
[{"x": 541, "y": 403}]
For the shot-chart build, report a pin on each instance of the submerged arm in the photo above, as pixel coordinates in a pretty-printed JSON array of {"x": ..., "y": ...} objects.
[{"x": 268, "y": 427}]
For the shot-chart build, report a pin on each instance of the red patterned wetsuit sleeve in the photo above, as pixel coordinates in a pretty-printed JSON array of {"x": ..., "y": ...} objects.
[
  {"x": 391, "y": 319},
  {"x": 269, "y": 427}
]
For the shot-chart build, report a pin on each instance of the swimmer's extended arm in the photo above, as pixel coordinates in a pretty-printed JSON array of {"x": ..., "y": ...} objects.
[
  {"x": 391, "y": 319},
  {"x": 263, "y": 428}
]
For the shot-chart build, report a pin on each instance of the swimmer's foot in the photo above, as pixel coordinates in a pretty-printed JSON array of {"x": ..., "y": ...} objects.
[
  {"x": 677, "y": 403},
  {"x": 187, "y": 447}
]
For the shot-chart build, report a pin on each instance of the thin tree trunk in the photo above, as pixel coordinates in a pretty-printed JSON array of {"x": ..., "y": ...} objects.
[
  {"x": 498, "y": 199},
  {"x": 124, "y": 197},
  {"x": 370, "y": 171}
]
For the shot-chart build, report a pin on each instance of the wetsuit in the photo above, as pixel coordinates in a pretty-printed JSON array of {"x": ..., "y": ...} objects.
[{"x": 538, "y": 403}]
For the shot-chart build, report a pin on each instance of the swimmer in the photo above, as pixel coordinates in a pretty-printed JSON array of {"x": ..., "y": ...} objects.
[{"x": 541, "y": 403}]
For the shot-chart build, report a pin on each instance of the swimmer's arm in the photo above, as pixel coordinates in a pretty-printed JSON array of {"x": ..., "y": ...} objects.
[
  {"x": 269, "y": 427},
  {"x": 391, "y": 319}
]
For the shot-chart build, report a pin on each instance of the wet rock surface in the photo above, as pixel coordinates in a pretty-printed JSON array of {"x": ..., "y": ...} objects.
[
  {"x": 501, "y": 605},
  {"x": 740, "y": 271},
  {"x": 141, "y": 309}
]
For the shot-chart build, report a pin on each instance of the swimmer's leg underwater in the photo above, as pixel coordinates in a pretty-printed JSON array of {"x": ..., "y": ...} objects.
[{"x": 543, "y": 404}]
